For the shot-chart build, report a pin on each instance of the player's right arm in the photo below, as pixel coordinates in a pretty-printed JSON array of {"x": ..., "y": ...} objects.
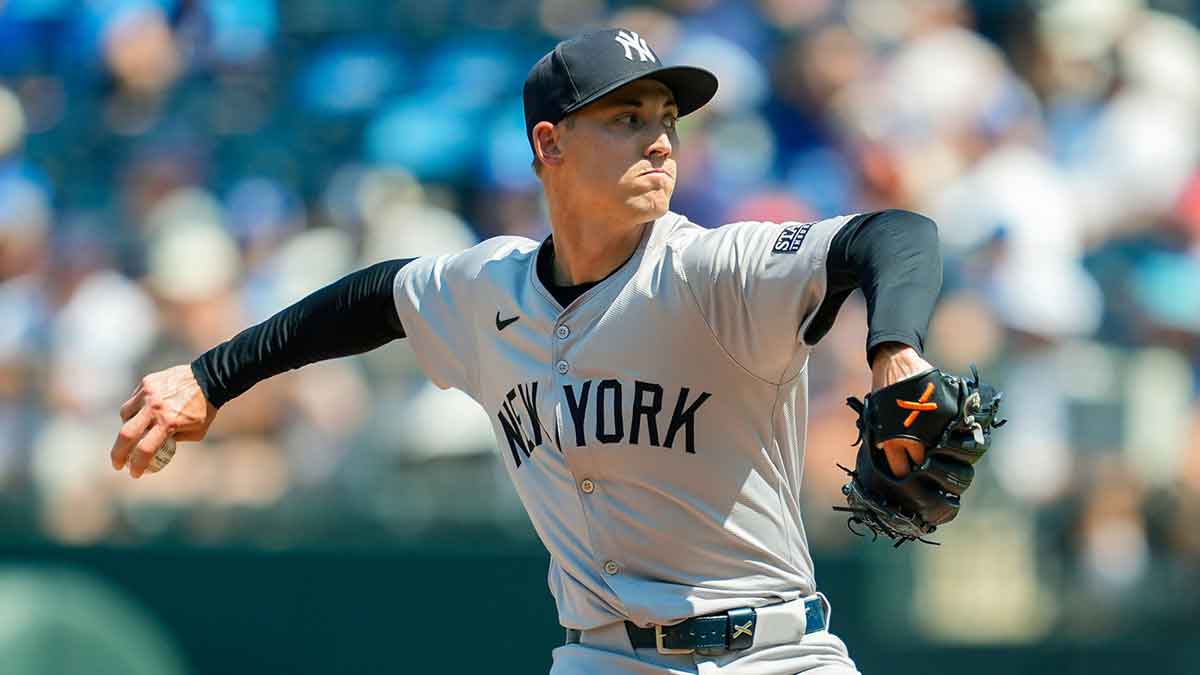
[{"x": 352, "y": 315}]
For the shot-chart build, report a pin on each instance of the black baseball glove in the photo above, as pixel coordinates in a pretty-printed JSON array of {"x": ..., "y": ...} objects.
[{"x": 953, "y": 417}]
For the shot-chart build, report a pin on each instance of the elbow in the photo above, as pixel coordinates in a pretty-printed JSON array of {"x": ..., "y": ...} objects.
[
  {"x": 910, "y": 220},
  {"x": 920, "y": 245},
  {"x": 920, "y": 229}
]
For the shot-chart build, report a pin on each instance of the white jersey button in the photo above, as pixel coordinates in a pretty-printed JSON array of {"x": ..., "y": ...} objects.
[
  {"x": 563, "y": 332},
  {"x": 587, "y": 486},
  {"x": 562, "y": 367},
  {"x": 611, "y": 567}
]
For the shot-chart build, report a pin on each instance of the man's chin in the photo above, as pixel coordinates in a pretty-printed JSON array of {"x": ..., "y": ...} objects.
[{"x": 651, "y": 206}]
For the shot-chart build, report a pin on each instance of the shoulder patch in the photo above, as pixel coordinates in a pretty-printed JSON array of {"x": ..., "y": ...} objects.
[{"x": 790, "y": 239}]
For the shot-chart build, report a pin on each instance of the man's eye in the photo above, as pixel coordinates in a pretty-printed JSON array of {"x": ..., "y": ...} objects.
[
  {"x": 670, "y": 122},
  {"x": 628, "y": 119}
]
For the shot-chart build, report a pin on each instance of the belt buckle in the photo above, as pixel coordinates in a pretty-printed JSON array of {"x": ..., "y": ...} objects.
[{"x": 658, "y": 643}]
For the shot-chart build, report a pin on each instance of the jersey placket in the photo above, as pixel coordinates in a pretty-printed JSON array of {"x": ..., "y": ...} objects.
[
  {"x": 583, "y": 459},
  {"x": 579, "y": 459}
]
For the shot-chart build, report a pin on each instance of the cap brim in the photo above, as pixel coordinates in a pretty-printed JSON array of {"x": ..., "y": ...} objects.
[{"x": 692, "y": 87}]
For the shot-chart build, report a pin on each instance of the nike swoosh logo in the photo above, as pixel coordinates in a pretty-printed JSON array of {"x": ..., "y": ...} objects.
[{"x": 501, "y": 324}]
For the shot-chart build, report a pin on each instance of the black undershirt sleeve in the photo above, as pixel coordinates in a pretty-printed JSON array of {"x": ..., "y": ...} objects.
[
  {"x": 352, "y": 315},
  {"x": 893, "y": 256}
]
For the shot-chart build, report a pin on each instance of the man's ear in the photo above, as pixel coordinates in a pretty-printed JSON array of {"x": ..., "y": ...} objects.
[{"x": 546, "y": 144}]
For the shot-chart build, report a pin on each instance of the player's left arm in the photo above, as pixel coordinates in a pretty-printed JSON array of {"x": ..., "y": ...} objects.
[{"x": 893, "y": 256}]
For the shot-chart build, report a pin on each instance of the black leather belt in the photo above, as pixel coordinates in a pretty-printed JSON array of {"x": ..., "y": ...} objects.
[{"x": 732, "y": 630}]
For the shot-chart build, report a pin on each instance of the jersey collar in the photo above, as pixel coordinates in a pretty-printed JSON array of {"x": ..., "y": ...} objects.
[{"x": 540, "y": 272}]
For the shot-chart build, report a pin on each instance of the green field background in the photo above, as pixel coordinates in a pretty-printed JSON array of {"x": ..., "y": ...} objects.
[{"x": 466, "y": 603}]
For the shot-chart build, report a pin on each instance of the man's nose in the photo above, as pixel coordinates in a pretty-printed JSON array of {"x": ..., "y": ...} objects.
[{"x": 660, "y": 146}]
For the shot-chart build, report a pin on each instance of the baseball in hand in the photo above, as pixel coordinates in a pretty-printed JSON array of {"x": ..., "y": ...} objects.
[{"x": 162, "y": 456}]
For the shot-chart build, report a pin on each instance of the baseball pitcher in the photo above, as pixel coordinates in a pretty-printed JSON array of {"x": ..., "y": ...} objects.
[{"x": 646, "y": 378}]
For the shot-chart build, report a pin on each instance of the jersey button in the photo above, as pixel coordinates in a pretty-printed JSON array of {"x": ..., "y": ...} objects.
[
  {"x": 611, "y": 567},
  {"x": 587, "y": 486},
  {"x": 562, "y": 332},
  {"x": 562, "y": 367}
]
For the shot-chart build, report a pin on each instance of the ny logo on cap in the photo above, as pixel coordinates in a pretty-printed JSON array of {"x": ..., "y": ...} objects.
[{"x": 631, "y": 41}]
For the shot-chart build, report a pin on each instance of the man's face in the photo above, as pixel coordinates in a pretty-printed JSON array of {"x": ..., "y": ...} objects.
[{"x": 617, "y": 151}]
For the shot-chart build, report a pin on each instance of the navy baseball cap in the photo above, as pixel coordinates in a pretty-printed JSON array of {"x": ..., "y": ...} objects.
[{"x": 584, "y": 68}]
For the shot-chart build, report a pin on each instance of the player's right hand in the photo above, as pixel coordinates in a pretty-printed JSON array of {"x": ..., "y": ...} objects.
[{"x": 167, "y": 403}]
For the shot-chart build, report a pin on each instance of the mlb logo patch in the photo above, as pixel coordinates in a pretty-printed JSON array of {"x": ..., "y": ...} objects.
[{"x": 790, "y": 239}]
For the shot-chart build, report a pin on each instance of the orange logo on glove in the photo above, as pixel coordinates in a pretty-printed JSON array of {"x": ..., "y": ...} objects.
[{"x": 918, "y": 407}]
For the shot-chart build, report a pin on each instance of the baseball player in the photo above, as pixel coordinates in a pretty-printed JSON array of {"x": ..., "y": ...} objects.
[{"x": 646, "y": 377}]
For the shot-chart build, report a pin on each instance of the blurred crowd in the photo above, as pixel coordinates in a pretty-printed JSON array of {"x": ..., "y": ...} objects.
[{"x": 172, "y": 171}]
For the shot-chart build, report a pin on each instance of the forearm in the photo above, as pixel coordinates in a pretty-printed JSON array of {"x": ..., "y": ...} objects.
[
  {"x": 352, "y": 315},
  {"x": 894, "y": 257}
]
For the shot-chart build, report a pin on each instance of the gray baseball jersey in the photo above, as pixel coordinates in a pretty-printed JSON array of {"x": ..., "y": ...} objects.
[{"x": 654, "y": 428}]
